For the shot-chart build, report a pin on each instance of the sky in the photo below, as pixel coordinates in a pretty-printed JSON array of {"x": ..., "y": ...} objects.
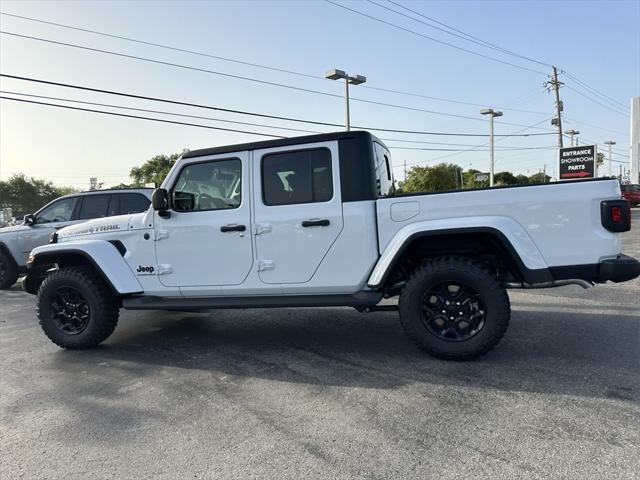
[{"x": 597, "y": 43}]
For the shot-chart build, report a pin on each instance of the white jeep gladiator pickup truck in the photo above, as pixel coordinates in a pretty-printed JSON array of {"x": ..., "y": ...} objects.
[{"x": 314, "y": 222}]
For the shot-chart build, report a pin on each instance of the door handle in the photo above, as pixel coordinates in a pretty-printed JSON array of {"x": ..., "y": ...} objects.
[
  {"x": 316, "y": 223},
  {"x": 233, "y": 228}
]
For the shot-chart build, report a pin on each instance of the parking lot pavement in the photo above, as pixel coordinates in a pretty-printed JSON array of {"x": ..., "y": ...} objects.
[{"x": 303, "y": 393}]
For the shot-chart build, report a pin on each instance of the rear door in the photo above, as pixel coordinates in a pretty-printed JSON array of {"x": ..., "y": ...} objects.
[
  {"x": 127, "y": 203},
  {"x": 298, "y": 210}
]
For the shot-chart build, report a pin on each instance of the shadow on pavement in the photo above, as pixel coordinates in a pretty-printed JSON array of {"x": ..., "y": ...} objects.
[{"x": 560, "y": 353}]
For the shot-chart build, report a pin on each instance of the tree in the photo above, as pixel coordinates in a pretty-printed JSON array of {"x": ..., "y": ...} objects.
[
  {"x": 27, "y": 194},
  {"x": 153, "y": 170},
  {"x": 600, "y": 159},
  {"x": 438, "y": 178},
  {"x": 539, "y": 178},
  {"x": 470, "y": 179},
  {"x": 505, "y": 178}
]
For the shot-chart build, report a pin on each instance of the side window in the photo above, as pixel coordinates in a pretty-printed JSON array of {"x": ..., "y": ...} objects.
[
  {"x": 93, "y": 206},
  {"x": 384, "y": 171},
  {"x": 60, "y": 211},
  {"x": 214, "y": 185},
  {"x": 302, "y": 176},
  {"x": 131, "y": 203}
]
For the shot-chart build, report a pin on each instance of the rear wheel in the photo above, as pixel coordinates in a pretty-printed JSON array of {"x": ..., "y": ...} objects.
[
  {"x": 76, "y": 308},
  {"x": 8, "y": 271},
  {"x": 454, "y": 308}
]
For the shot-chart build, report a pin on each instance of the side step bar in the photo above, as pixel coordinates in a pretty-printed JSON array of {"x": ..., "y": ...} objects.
[{"x": 360, "y": 300}]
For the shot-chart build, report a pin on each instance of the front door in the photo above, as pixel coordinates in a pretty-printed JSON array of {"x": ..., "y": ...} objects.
[
  {"x": 298, "y": 210},
  {"x": 58, "y": 214},
  {"x": 206, "y": 240}
]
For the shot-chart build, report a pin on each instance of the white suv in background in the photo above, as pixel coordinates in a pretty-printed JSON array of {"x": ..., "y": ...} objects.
[{"x": 16, "y": 242}]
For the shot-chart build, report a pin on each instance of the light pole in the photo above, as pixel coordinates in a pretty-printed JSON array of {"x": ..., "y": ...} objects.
[
  {"x": 492, "y": 113},
  {"x": 609, "y": 142},
  {"x": 336, "y": 74},
  {"x": 571, "y": 133}
]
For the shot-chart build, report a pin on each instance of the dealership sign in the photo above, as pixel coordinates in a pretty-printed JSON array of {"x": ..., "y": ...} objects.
[{"x": 577, "y": 163}]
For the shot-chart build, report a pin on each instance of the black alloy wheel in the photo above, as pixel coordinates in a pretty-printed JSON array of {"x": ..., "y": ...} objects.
[
  {"x": 453, "y": 311},
  {"x": 69, "y": 310}
]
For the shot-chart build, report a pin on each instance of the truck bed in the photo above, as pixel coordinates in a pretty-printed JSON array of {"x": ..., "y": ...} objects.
[{"x": 554, "y": 224}]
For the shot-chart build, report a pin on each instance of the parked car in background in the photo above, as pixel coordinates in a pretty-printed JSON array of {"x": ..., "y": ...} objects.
[
  {"x": 632, "y": 193},
  {"x": 17, "y": 241}
]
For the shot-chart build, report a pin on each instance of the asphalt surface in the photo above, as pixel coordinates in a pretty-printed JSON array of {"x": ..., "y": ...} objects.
[{"x": 303, "y": 393}]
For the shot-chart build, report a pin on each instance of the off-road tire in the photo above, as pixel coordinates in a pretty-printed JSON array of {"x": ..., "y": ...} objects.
[
  {"x": 8, "y": 271},
  {"x": 102, "y": 303},
  {"x": 466, "y": 271}
]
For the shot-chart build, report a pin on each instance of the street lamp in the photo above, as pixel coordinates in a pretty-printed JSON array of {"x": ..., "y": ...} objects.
[
  {"x": 336, "y": 74},
  {"x": 609, "y": 142},
  {"x": 571, "y": 133},
  {"x": 492, "y": 113}
]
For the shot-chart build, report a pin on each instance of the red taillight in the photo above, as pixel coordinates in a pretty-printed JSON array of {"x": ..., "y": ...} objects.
[{"x": 616, "y": 214}]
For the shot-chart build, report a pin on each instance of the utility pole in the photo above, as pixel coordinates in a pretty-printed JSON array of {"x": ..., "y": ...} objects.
[
  {"x": 555, "y": 84},
  {"x": 405, "y": 170},
  {"x": 544, "y": 173},
  {"x": 492, "y": 113},
  {"x": 336, "y": 74},
  {"x": 609, "y": 142}
]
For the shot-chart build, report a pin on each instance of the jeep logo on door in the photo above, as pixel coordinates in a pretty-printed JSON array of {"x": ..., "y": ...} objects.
[
  {"x": 577, "y": 163},
  {"x": 142, "y": 270}
]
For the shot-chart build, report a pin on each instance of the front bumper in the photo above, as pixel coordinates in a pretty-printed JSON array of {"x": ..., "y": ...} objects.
[{"x": 619, "y": 269}]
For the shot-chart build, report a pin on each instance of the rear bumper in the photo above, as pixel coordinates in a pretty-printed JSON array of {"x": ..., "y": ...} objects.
[{"x": 618, "y": 269}]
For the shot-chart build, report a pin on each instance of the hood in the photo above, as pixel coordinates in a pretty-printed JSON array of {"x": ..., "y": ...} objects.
[{"x": 120, "y": 223}]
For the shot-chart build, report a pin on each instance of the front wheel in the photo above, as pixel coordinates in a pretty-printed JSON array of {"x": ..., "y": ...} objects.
[
  {"x": 454, "y": 308},
  {"x": 8, "y": 271},
  {"x": 77, "y": 310}
]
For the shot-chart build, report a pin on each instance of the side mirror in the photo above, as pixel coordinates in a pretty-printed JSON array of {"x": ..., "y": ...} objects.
[
  {"x": 160, "y": 201},
  {"x": 29, "y": 219}
]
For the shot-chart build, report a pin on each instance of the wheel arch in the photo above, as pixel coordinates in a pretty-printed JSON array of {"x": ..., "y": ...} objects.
[
  {"x": 5, "y": 249},
  {"x": 101, "y": 256},
  {"x": 417, "y": 245}
]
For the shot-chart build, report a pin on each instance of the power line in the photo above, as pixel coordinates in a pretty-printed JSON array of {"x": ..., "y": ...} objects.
[
  {"x": 596, "y": 92},
  {"x": 241, "y": 77},
  {"x": 165, "y": 46},
  {"x": 69, "y": 107},
  {"x": 440, "y": 99},
  {"x": 191, "y": 124},
  {"x": 571, "y": 120},
  {"x": 60, "y": 99},
  {"x": 474, "y": 149},
  {"x": 480, "y": 146},
  {"x": 170, "y": 64},
  {"x": 252, "y": 64},
  {"x": 433, "y": 39},
  {"x": 244, "y": 112},
  {"x": 609, "y": 107},
  {"x": 460, "y": 34}
]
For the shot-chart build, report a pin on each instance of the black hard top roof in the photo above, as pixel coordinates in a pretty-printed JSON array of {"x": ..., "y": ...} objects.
[{"x": 280, "y": 142}]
